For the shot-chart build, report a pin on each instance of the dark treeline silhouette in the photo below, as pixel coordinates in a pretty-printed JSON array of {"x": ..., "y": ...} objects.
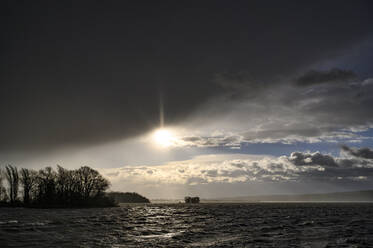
[
  {"x": 83, "y": 187},
  {"x": 189, "y": 199},
  {"x": 128, "y": 197}
]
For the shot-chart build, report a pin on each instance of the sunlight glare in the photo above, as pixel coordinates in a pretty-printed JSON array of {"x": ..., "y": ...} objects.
[{"x": 163, "y": 137}]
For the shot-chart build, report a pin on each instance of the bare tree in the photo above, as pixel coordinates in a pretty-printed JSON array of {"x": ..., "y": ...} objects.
[
  {"x": 46, "y": 187},
  {"x": 11, "y": 174},
  {"x": 3, "y": 195},
  {"x": 91, "y": 182},
  {"x": 46, "y": 181},
  {"x": 65, "y": 185},
  {"x": 28, "y": 179}
]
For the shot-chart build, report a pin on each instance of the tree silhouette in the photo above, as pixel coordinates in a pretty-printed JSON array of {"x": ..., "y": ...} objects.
[
  {"x": 46, "y": 180},
  {"x": 3, "y": 195},
  {"x": 64, "y": 185},
  {"x": 28, "y": 181},
  {"x": 11, "y": 174},
  {"x": 91, "y": 183},
  {"x": 48, "y": 188}
]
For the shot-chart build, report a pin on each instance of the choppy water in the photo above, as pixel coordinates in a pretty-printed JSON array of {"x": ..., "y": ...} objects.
[{"x": 202, "y": 225}]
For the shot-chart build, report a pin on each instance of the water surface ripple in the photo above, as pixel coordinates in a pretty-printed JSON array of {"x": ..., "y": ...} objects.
[{"x": 202, "y": 225}]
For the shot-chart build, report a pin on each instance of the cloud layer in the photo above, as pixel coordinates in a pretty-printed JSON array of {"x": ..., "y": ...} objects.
[
  {"x": 301, "y": 167},
  {"x": 93, "y": 73},
  {"x": 324, "y": 112},
  {"x": 361, "y": 153},
  {"x": 331, "y": 76}
]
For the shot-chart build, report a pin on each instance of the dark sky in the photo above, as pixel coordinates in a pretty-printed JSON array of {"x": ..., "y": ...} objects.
[{"x": 83, "y": 73}]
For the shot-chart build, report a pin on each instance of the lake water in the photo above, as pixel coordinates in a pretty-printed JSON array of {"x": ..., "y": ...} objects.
[{"x": 202, "y": 225}]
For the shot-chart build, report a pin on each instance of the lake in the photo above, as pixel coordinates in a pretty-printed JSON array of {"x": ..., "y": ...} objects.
[{"x": 200, "y": 225}]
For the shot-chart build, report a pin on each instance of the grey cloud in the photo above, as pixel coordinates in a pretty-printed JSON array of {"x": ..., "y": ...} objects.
[
  {"x": 331, "y": 169},
  {"x": 331, "y": 76},
  {"x": 212, "y": 141},
  {"x": 364, "y": 153},
  {"x": 299, "y": 158},
  {"x": 290, "y": 114},
  {"x": 275, "y": 134},
  {"x": 192, "y": 139},
  {"x": 335, "y": 170},
  {"x": 240, "y": 85}
]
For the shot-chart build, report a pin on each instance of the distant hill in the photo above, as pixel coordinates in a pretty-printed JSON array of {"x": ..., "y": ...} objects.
[
  {"x": 354, "y": 196},
  {"x": 128, "y": 197}
]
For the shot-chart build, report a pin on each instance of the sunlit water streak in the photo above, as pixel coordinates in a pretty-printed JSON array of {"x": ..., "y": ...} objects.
[{"x": 202, "y": 225}]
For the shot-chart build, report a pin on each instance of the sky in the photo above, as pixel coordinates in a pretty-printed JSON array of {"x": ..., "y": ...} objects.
[{"x": 175, "y": 98}]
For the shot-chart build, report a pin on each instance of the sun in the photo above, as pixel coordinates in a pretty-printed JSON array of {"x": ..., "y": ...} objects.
[{"x": 163, "y": 137}]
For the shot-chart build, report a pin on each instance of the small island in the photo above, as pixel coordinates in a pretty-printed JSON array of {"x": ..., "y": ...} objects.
[
  {"x": 189, "y": 199},
  {"x": 47, "y": 188}
]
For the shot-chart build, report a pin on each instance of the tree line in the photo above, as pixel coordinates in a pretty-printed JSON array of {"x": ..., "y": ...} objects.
[{"x": 49, "y": 188}]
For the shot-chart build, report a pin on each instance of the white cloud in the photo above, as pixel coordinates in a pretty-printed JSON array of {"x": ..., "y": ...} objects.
[{"x": 207, "y": 169}]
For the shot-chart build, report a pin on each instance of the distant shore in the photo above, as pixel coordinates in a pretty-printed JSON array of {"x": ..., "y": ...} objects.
[{"x": 335, "y": 197}]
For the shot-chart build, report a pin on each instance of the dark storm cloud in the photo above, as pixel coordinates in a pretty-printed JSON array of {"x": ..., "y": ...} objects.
[
  {"x": 299, "y": 158},
  {"x": 286, "y": 113},
  {"x": 331, "y": 76},
  {"x": 364, "y": 152},
  {"x": 84, "y": 73},
  {"x": 334, "y": 169}
]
